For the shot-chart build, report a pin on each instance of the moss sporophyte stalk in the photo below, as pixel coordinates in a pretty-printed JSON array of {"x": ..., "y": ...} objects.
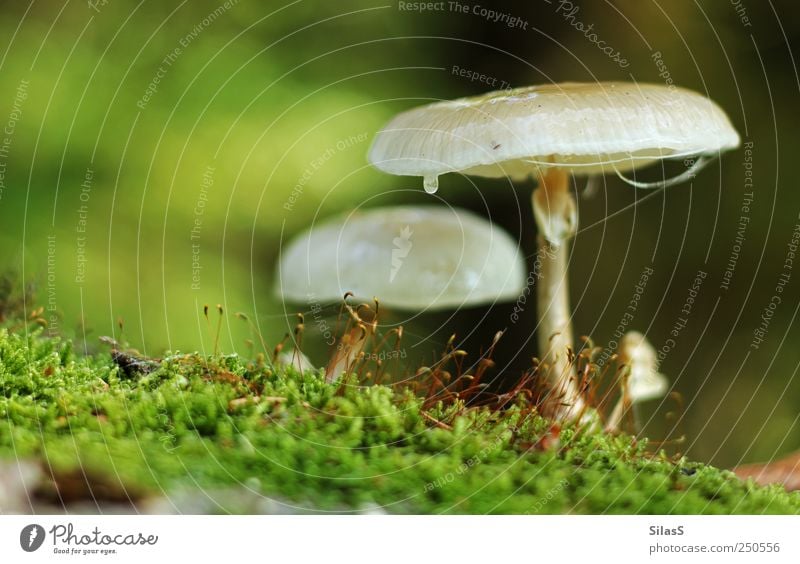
[{"x": 117, "y": 429}]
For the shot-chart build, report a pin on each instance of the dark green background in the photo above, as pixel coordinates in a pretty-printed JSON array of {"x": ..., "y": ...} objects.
[{"x": 267, "y": 88}]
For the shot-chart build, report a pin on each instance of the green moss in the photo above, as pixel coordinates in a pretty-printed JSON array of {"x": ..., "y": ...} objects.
[{"x": 212, "y": 423}]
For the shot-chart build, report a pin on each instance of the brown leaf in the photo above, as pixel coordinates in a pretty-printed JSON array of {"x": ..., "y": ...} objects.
[
  {"x": 80, "y": 484},
  {"x": 785, "y": 471}
]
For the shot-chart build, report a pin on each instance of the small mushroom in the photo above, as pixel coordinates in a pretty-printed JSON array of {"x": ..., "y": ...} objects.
[
  {"x": 296, "y": 359},
  {"x": 642, "y": 382},
  {"x": 549, "y": 132},
  {"x": 410, "y": 258}
]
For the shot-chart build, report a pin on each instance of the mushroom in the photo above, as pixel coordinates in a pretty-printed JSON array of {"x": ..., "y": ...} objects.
[
  {"x": 641, "y": 379},
  {"x": 549, "y": 132},
  {"x": 410, "y": 257}
]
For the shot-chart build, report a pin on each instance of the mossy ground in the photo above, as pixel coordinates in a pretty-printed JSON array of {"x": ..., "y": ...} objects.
[{"x": 101, "y": 431}]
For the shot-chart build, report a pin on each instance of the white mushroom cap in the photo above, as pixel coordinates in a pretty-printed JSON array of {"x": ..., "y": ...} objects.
[
  {"x": 644, "y": 381},
  {"x": 408, "y": 257},
  {"x": 586, "y": 127}
]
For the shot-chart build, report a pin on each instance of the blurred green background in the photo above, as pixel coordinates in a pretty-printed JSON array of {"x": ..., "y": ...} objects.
[{"x": 130, "y": 127}]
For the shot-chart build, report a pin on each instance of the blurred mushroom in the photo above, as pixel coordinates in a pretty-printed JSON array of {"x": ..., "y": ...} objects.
[
  {"x": 410, "y": 258},
  {"x": 548, "y": 132},
  {"x": 641, "y": 380}
]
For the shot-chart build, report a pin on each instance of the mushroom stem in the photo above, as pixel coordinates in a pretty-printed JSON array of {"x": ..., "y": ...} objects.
[
  {"x": 614, "y": 421},
  {"x": 348, "y": 351},
  {"x": 640, "y": 379},
  {"x": 556, "y": 218}
]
